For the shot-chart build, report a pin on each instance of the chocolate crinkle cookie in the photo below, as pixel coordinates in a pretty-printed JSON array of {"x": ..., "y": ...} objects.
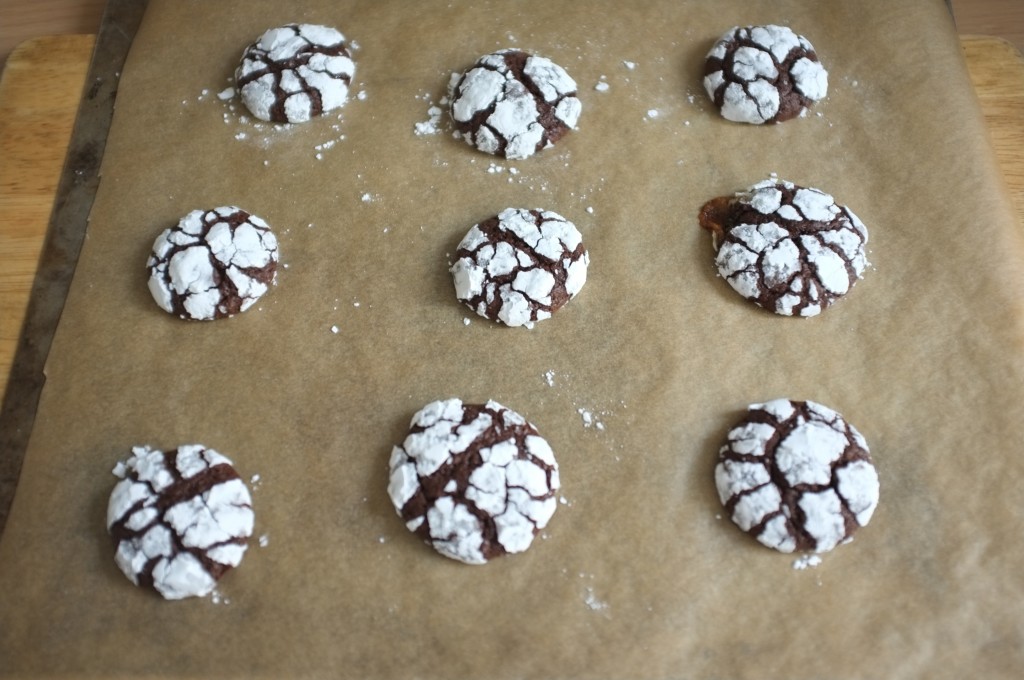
[
  {"x": 475, "y": 481},
  {"x": 513, "y": 104},
  {"x": 520, "y": 266},
  {"x": 796, "y": 476},
  {"x": 295, "y": 72},
  {"x": 790, "y": 249},
  {"x": 180, "y": 519},
  {"x": 763, "y": 74},
  {"x": 212, "y": 264}
]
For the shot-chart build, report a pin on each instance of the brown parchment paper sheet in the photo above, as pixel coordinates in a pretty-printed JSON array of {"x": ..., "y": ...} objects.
[{"x": 638, "y": 575}]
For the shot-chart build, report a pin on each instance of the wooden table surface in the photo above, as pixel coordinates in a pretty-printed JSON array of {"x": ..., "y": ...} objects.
[{"x": 43, "y": 79}]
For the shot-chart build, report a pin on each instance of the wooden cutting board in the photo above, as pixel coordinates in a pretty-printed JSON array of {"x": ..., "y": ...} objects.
[{"x": 44, "y": 78}]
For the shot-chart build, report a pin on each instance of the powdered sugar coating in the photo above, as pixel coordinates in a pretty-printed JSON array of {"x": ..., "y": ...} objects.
[
  {"x": 797, "y": 476},
  {"x": 513, "y": 104},
  {"x": 474, "y": 481},
  {"x": 520, "y": 266},
  {"x": 213, "y": 264},
  {"x": 295, "y": 72},
  {"x": 180, "y": 519},
  {"x": 763, "y": 74},
  {"x": 789, "y": 249}
]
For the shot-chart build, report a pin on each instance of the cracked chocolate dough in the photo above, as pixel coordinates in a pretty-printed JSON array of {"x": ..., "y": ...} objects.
[
  {"x": 295, "y": 72},
  {"x": 796, "y": 476},
  {"x": 475, "y": 481},
  {"x": 520, "y": 266},
  {"x": 180, "y": 519},
  {"x": 513, "y": 104},
  {"x": 213, "y": 264},
  {"x": 763, "y": 74},
  {"x": 790, "y": 249}
]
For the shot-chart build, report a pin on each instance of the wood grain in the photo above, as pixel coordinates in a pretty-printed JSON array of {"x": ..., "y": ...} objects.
[
  {"x": 39, "y": 94},
  {"x": 44, "y": 78}
]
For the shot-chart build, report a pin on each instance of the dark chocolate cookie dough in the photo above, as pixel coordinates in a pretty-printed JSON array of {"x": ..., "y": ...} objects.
[
  {"x": 475, "y": 481},
  {"x": 295, "y": 72},
  {"x": 789, "y": 249},
  {"x": 796, "y": 476},
  {"x": 180, "y": 519},
  {"x": 213, "y": 264},
  {"x": 520, "y": 266},
  {"x": 513, "y": 104},
  {"x": 763, "y": 74}
]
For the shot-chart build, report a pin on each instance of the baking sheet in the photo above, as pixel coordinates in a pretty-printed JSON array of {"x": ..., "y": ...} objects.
[{"x": 638, "y": 574}]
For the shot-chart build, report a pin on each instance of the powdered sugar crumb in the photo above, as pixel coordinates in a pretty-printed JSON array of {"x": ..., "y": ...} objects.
[
  {"x": 217, "y": 598},
  {"x": 549, "y": 377},
  {"x": 264, "y": 540},
  {"x": 631, "y": 65},
  {"x": 592, "y": 602},
  {"x": 806, "y": 562},
  {"x": 432, "y": 125}
]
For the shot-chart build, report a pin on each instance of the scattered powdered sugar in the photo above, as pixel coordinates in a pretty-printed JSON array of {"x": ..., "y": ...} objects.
[
  {"x": 590, "y": 419},
  {"x": 630, "y": 65},
  {"x": 549, "y": 377},
  {"x": 264, "y": 540},
  {"x": 432, "y": 125},
  {"x": 653, "y": 113},
  {"x": 806, "y": 562},
  {"x": 335, "y": 330},
  {"x": 602, "y": 85},
  {"x": 591, "y": 600},
  {"x": 216, "y": 597}
]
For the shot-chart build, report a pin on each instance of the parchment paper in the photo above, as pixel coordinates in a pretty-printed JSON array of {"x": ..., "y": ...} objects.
[{"x": 639, "y": 574}]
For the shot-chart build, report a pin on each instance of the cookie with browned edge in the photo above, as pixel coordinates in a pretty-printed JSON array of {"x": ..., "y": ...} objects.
[{"x": 790, "y": 249}]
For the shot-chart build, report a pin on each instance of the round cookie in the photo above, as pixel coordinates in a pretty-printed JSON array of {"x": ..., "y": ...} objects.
[
  {"x": 212, "y": 264},
  {"x": 796, "y": 476},
  {"x": 180, "y": 519},
  {"x": 789, "y": 249},
  {"x": 474, "y": 481},
  {"x": 520, "y": 266},
  {"x": 763, "y": 74},
  {"x": 513, "y": 104},
  {"x": 295, "y": 72}
]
